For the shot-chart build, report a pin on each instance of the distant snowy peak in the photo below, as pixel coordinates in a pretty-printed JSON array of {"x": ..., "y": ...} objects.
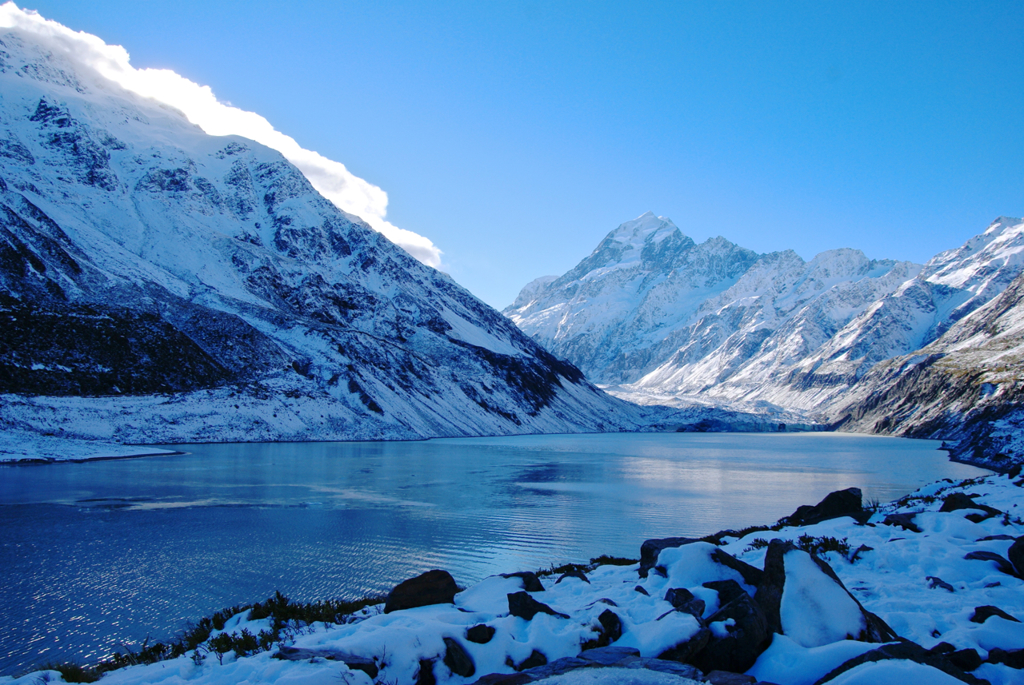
[{"x": 642, "y": 242}]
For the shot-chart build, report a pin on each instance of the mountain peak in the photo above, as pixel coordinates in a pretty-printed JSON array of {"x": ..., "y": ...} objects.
[{"x": 645, "y": 227}]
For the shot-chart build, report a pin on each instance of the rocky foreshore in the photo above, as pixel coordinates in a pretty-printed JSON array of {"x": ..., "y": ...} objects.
[{"x": 926, "y": 589}]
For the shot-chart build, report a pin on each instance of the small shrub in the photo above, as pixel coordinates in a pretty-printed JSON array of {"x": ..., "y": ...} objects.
[
  {"x": 605, "y": 560},
  {"x": 73, "y": 673},
  {"x": 823, "y": 544},
  {"x": 564, "y": 568},
  {"x": 757, "y": 543}
]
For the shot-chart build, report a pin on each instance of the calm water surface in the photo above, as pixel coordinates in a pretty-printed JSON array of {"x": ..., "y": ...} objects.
[{"x": 100, "y": 554}]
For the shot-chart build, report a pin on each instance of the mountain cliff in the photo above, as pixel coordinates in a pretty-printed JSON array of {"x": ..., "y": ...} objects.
[{"x": 161, "y": 284}]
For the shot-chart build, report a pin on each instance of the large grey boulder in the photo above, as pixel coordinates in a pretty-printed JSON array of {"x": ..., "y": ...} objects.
[
  {"x": 839, "y": 503},
  {"x": 432, "y": 587}
]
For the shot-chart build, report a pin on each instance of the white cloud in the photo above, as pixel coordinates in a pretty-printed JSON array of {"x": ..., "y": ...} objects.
[{"x": 349, "y": 192}]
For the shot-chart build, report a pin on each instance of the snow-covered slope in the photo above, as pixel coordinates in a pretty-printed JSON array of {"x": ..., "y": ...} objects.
[
  {"x": 966, "y": 386},
  {"x": 950, "y": 286},
  {"x": 161, "y": 284}
]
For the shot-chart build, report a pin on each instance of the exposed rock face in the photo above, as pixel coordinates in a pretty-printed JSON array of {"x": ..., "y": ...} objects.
[
  {"x": 432, "y": 587},
  {"x": 739, "y": 633},
  {"x": 140, "y": 257}
]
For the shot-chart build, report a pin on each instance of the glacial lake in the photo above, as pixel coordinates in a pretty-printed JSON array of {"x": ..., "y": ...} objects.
[{"x": 100, "y": 554}]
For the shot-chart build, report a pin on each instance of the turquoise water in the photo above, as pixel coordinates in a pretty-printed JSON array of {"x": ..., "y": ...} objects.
[{"x": 99, "y": 554}]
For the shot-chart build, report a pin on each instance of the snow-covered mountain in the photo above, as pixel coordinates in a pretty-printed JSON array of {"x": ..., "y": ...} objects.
[
  {"x": 161, "y": 284},
  {"x": 661, "y": 317},
  {"x": 664, "y": 321},
  {"x": 967, "y": 386}
]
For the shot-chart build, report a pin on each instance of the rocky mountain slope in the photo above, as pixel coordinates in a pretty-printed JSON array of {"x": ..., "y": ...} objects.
[
  {"x": 967, "y": 386},
  {"x": 161, "y": 284}
]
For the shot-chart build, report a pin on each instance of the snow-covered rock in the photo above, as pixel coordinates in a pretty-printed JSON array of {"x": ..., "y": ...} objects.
[{"x": 158, "y": 284}]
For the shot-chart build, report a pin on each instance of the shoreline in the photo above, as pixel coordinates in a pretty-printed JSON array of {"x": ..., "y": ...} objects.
[{"x": 884, "y": 523}]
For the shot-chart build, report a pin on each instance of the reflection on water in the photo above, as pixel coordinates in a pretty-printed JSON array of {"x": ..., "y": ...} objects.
[{"x": 99, "y": 554}]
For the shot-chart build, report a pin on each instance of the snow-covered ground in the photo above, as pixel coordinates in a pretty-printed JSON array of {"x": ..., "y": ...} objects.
[
  {"x": 27, "y": 446},
  {"x": 911, "y": 571}
]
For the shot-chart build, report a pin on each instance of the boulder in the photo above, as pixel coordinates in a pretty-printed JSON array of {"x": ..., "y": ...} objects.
[
  {"x": 433, "y": 587},
  {"x": 840, "y": 503},
  {"x": 959, "y": 500},
  {"x": 611, "y": 627},
  {"x": 684, "y": 651},
  {"x": 650, "y": 549},
  {"x": 1016, "y": 556},
  {"x": 608, "y": 656},
  {"x": 683, "y": 600},
  {"x": 535, "y": 659},
  {"x": 983, "y": 613},
  {"x": 751, "y": 574},
  {"x": 1012, "y": 658},
  {"x": 820, "y": 609},
  {"x": 610, "y": 630},
  {"x": 936, "y": 582},
  {"x": 908, "y": 651},
  {"x": 553, "y": 668},
  {"x": 354, "y": 662},
  {"x": 425, "y": 673},
  {"x": 531, "y": 583},
  {"x": 665, "y": 666},
  {"x": 1004, "y": 565},
  {"x": 457, "y": 660},
  {"x": 739, "y": 633},
  {"x": 904, "y": 521},
  {"x": 480, "y": 634},
  {"x": 965, "y": 659},
  {"x": 727, "y": 590},
  {"x": 524, "y": 606}
]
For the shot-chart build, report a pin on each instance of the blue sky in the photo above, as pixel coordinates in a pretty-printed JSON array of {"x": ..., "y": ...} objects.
[{"x": 516, "y": 135}]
